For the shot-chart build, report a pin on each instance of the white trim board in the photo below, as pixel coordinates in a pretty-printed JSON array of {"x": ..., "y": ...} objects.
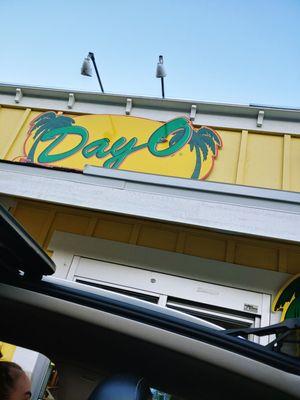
[
  {"x": 134, "y": 199},
  {"x": 276, "y": 120}
]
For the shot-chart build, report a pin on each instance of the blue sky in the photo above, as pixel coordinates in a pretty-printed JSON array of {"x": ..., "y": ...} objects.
[{"x": 238, "y": 51}]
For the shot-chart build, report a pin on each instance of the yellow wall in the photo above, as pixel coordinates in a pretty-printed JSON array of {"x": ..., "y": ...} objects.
[
  {"x": 247, "y": 158},
  {"x": 42, "y": 219},
  {"x": 7, "y": 351}
]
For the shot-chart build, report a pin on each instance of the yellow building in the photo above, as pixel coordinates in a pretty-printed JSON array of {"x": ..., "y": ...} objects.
[{"x": 192, "y": 205}]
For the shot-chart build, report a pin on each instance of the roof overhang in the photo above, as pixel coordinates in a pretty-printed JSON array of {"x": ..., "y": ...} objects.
[{"x": 229, "y": 208}]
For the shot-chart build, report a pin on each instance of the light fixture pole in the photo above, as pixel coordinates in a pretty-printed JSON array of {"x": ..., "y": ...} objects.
[
  {"x": 162, "y": 88},
  {"x": 161, "y": 73},
  {"x": 86, "y": 69}
]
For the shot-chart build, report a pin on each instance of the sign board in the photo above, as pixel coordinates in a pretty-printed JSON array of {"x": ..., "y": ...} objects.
[
  {"x": 175, "y": 148},
  {"x": 288, "y": 299}
]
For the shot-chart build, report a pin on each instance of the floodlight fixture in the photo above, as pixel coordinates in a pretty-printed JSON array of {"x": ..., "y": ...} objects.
[
  {"x": 161, "y": 73},
  {"x": 87, "y": 70}
]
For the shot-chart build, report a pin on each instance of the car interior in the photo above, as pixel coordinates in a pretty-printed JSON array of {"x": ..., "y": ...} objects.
[
  {"x": 103, "y": 356},
  {"x": 86, "y": 353}
]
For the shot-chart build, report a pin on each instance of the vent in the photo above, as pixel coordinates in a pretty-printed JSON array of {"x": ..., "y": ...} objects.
[
  {"x": 127, "y": 292},
  {"x": 216, "y": 315}
]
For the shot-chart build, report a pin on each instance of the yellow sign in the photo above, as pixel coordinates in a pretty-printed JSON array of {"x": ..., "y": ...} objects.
[
  {"x": 288, "y": 299},
  {"x": 175, "y": 148}
]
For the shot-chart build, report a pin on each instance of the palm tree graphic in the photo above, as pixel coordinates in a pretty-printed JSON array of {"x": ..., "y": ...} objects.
[
  {"x": 202, "y": 140},
  {"x": 288, "y": 299},
  {"x": 43, "y": 125}
]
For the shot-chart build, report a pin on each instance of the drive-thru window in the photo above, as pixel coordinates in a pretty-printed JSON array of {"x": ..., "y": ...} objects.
[{"x": 228, "y": 307}]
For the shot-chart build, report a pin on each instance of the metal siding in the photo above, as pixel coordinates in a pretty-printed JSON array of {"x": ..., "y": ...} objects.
[
  {"x": 257, "y": 256},
  {"x": 20, "y": 135},
  {"x": 113, "y": 230},
  {"x": 69, "y": 222},
  {"x": 9, "y": 118},
  {"x": 157, "y": 237},
  {"x": 293, "y": 261},
  {"x": 226, "y": 164},
  {"x": 206, "y": 246},
  {"x": 35, "y": 219},
  {"x": 295, "y": 165},
  {"x": 264, "y": 161},
  {"x": 43, "y": 220},
  {"x": 260, "y": 159}
]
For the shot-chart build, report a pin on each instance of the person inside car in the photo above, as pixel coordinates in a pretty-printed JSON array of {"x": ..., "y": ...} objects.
[{"x": 14, "y": 383}]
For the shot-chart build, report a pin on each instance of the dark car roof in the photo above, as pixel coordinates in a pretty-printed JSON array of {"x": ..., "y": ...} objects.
[
  {"x": 69, "y": 324},
  {"x": 19, "y": 251}
]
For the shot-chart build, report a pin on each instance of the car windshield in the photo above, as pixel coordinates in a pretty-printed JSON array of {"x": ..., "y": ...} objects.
[{"x": 283, "y": 338}]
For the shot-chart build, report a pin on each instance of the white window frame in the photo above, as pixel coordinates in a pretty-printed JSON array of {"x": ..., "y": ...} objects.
[
  {"x": 174, "y": 273},
  {"x": 163, "y": 287}
]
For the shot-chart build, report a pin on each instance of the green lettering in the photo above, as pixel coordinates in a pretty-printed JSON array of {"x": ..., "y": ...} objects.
[
  {"x": 59, "y": 135},
  {"x": 179, "y": 127},
  {"x": 119, "y": 152},
  {"x": 96, "y": 148}
]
